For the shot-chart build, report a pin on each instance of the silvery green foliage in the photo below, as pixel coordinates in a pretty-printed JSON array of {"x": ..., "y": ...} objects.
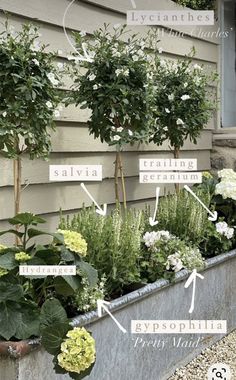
[{"x": 28, "y": 93}]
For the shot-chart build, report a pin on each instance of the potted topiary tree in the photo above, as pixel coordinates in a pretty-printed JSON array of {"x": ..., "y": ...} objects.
[
  {"x": 117, "y": 88},
  {"x": 183, "y": 101},
  {"x": 28, "y": 99}
]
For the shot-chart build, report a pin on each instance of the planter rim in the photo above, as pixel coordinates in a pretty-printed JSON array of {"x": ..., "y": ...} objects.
[{"x": 149, "y": 289}]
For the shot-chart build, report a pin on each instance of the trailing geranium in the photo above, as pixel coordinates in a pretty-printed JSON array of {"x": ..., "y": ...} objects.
[
  {"x": 28, "y": 98},
  {"x": 116, "y": 87}
]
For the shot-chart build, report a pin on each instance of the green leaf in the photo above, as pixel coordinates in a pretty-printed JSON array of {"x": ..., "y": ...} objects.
[
  {"x": 52, "y": 312},
  {"x": 66, "y": 285},
  {"x": 53, "y": 336},
  {"x": 17, "y": 233},
  {"x": 28, "y": 322},
  {"x": 82, "y": 375},
  {"x": 26, "y": 219},
  {"x": 7, "y": 261},
  {"x": 89, "y": 271},
  {"x": 10, "y": 292},
  {"x": 9, "y": 319},
  {"x": 32, "y": 232},
  {"x": 67, "y": 255}
]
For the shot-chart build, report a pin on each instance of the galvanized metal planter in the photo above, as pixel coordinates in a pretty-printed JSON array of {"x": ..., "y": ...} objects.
[{"x": 153, "y": 357}]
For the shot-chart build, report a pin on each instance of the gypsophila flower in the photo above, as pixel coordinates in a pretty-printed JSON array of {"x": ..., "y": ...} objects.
[
  {"x": 83, "y": 33},
  {"x": 174, "y": 262},
  {"x": 4, "y": 114},
  {"x": 130, "y": 132},
  {"x": 35, "y": 61},
  {"x": 167, "y": 110},
  {"x": 22, "y": 257},
  {"x": 53, "y": 80},
  {"x": 171, "y": 97},
  {"x": 77, "y": 351},
  {"x": 95, "y": 87},
  {"x": 91, "y": 77},
  {"x": 120, "y": 129},
  {"x": 74, "y": 242}
]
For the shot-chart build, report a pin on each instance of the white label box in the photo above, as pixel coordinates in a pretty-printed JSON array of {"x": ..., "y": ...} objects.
[{"x": 66, "y": 173}]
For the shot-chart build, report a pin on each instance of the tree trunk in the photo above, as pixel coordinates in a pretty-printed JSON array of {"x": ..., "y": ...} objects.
[
  {"x": 116, "y": 175},
  {"x": 17, "y": 189},
  {"x": 122, "y": 180},
  {"x": 176, "y": 156}
]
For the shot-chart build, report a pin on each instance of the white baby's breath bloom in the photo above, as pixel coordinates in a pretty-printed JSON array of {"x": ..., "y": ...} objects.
[
  {"x": 130, "y": 132},
  {"x": 120, "y": 129},
  {"x": 49, "y": 104},
  {"x": 116, "y": 138},
  {"x": 83, "y": 33},
  {"x": 165, "y": 129},
  {"x": 167, "y": 110},
  {"x": 163, "y": 63},
  {"x": 36, "y": 46},
  {"x": 171, "y": 97},
  {"x": 135, "y": 58},
  {"x": 4, "y": 114},
  {"x": 185, "y": 97},
  {"x": 35, "y": 61},
  {"x": 180, "y": 122},
  {"x": 126, "y": 73},
  {"x": 185, "y": 84},
  {"x": 95, "y": 87},
  {"x": 174, "y": 262}
]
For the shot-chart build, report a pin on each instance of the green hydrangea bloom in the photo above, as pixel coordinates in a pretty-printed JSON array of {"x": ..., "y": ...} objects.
[
  {"x": 22, "y": 257},
  {"x": 3, "y": 272},
  {"x": 74, "y": 242},
  {"x": 78, "y": 351},
  {"x": 2, "y": 247}
]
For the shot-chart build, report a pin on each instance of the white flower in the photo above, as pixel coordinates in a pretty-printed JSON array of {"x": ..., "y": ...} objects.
[
  {"x": 120, "y": 129},
  {"x": 165, "y": 129},
  {"x": 135, "y": 58},
  {"x": 221, "y": 227},
  {"x": 130, "y": 132},
  {"x": 115, "y": 53},
  {"x": 180, "y": 122},
  {"x": 118, "y": 72},
  {"x": 167, "y": 110},
  {"x": 226, "y": 189},
  {"x": 35, "y": 61},
  {"x": 49, "y": 104},
  {"x": 116, "y": 138},
  {"x": 174, "y": 262},
  {"x": 150, "y": 238},
  {"x": 83, "y": 33},
  {"x": 197, "y": 81},
  {"x": 140, "y": 53},
  {"x": 91, "y": 77},
  {"x": 160, "y": 50},
  {"x": 163, "y": 63},
  {"x": 126, "y": 73},
  {"x": 4, "y": 114},
  {"x": 185, "y": 97},
  {"x": 52, "y": 79},
  {"x": 171, "y": 97},
  {"x": 185, "y": 84},
  {"x": 95, "y": 87},
  {"x": 56, "y": 113},
  {"x": 117, "y": 26},
  {"x": 197, "y": 67},
  {"x": 36, "y": 46},
  {"x": 60, "y": 66}
]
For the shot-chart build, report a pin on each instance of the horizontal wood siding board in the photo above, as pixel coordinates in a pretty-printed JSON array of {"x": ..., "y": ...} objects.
[
  {"x": 77, "y": 139},
  {"x": 41, "y": 199},
  {"x": 90, "y": 18},
  {"x": 37, "y": 171}
]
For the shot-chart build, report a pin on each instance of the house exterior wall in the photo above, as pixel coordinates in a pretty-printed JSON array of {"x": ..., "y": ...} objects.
[{"x": 71, "y": 142}]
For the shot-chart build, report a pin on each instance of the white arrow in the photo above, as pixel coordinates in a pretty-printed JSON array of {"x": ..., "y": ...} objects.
[
  {"x": 133, "y": 4},
  {"x": 101, "y": 304},
  {"x": 193, "y": 279},
  {"x": 99, "y": 210},
  {"x": 152, "y": 221},
  {"x": 80, "y": 57},
  {"x": 214, "y": 214}
]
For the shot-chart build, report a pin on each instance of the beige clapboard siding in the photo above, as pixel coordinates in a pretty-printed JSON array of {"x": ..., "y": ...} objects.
[
  {"x": 124, "y": 5},
  {"x": 32, "y": 176},
  {"x": 89, "y": 17}
]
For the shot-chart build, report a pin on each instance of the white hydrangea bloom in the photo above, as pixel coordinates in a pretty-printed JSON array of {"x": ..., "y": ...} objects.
[
  {"x": 226, "y": 189},
  {"x": 221, "y": 227}
]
